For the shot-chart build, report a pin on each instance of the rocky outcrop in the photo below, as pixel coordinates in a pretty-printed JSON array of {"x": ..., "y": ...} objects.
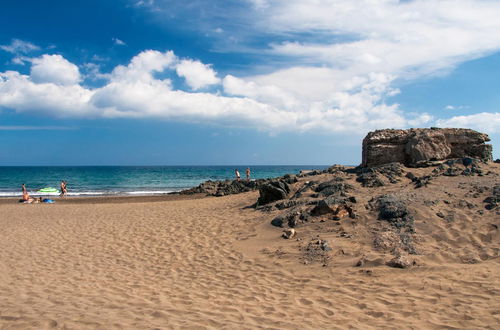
[
  {"x": 419, "y": 145},
  {"x": 273, "y": 191},
  {"x": 223, "y": 188}
]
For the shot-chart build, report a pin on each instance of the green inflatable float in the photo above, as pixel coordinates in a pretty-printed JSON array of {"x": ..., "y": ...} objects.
[{"x": 48, "y": 190}]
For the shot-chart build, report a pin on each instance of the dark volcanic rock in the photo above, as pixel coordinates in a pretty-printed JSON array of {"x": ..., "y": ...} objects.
[
  {"x": 273, "y": 191},
  {"x": 290, "y": 203},
  {"x": 291, "y": 219},
  {"x": 394, "y": 210},
  {"x": 370, "y": 179},
  {"x": 372, "y": 176},
  {"x": 222, "y": 188},
  {"x": 333, "y": 187},
  {"x": 328, "y": 205},
  {"x": 494, "y": 201},
  {"x": 420, "y": 145}
]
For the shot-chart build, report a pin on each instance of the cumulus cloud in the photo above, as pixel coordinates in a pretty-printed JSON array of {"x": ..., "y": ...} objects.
[
  {"x": 54, "y": 69},
  {"x": 17, "y": 46},
  {"x": 197, "y": 74},
  {"x": 488, "y": 122},
  {"x": 339, "y": 62}
]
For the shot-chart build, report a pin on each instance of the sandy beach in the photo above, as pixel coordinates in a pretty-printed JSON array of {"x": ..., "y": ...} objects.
[{"x": 190, "y": 262}]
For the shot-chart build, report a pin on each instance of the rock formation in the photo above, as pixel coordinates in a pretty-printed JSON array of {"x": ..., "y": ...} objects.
[{"x": 419, "y": 145}]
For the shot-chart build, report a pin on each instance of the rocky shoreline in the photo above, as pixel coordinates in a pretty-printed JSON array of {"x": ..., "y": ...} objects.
[{"x": 388, "y": 195}]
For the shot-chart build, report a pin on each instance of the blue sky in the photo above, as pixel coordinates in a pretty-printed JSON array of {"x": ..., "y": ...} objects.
[{"x": 165, "y": 82}]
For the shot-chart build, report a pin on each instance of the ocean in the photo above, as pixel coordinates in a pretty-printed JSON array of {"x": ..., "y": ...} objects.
[{"x": 126, "y": 180}]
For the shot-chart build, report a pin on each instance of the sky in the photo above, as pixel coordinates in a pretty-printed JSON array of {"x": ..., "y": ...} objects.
[{"x": 238, "y": 82}]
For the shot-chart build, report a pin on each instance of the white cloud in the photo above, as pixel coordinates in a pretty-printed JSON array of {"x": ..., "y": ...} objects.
[
  {"x": 339, "y": 62},
  {"x": 54, "y": 69},
  {"x": 20, "y": 93},
  {"x": 485, "y": 122},
  {"x": 19, "y": 60},
  {"x": 119, "y": 42},
  {"x": 456, "y": 107},
  {"x": 143, "y": 66},
  {"x": 197, "y": 74},
  {"x": 19, "y": 46},
  {"x": 132, "y": 91}
]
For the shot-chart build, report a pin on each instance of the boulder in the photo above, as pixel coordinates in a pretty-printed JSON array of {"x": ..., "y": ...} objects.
[
  {"x": 329, "y": 205},
  {"x": 273, "y": 191},
  {"x": 394, "y": 210},
  {"x": 400, "y": 261},
  {"x": 333, "y": 187},
  {"x": 423, "y": 145}
]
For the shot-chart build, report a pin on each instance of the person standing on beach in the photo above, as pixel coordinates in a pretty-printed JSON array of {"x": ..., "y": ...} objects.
[
  {"x": 64, "y": 190},
  {"x": 23, "y": 187},
  {"x": 237, "y": 174},
  {"x": 248, "y": 173}
]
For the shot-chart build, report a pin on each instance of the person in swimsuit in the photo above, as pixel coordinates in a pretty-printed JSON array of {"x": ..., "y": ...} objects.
[
  {"x": 64, "y": 189},
  {"x": 237, "y": 174},
  {"x": 23, "y": 187},
  {"x": 248, "y": 173}
]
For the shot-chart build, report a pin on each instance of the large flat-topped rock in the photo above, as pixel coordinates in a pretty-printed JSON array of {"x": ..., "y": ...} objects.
[{"x": 417, "y": 145}]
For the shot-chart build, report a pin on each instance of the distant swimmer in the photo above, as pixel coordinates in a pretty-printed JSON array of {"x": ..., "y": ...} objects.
[
  {"x": 248, "y": 173},
  {"x": 64, "y": 189},
  {"x": 237, "y": 174}
]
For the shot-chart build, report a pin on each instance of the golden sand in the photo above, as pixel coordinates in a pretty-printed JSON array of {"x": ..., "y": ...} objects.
[{"x": 217, "y": 263}]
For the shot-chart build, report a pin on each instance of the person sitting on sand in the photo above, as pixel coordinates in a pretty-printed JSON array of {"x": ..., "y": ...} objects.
[
  {"x": 64, "y": 189},
  {"x": 248, "y": 173},
  {"x": 27, "y": 198},
  {"x": 237, "y": 174}
]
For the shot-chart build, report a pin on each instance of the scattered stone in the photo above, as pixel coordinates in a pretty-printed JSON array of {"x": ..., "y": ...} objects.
[
  {"x": 361, "y": 262},
  {"x": 493, "y": 202},
  {"x": 422, "y": 181},
  {"x": 317, "y": 250},
  {"x": 399, "y": 262},
  {"x": 386, "y": 241},
  {"x": 370, "y": 179},
  {"x": 289, "y": 233},
  {"x": 440, "y": 214},
  {"x": 450, "y": 217},
  {"x": 466, "y": 204},
  {"x": 289, "y": 203}
]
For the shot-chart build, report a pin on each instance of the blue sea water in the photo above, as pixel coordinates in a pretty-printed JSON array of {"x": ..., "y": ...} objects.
[{"x": 126, "y": 180}]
